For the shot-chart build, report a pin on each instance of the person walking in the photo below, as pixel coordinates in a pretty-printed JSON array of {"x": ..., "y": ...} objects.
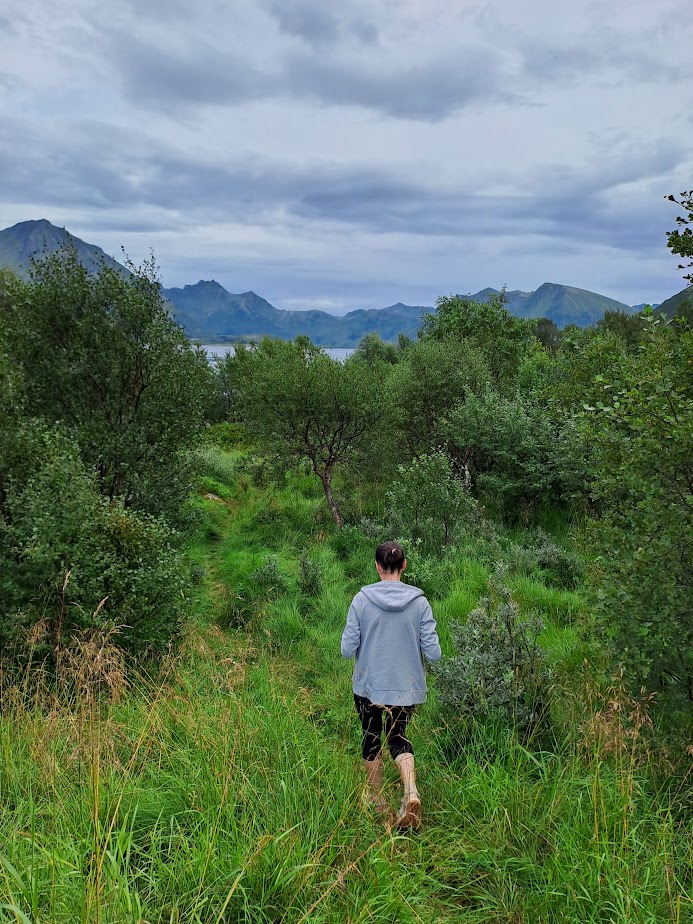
[{"x": 389, "y": 628}]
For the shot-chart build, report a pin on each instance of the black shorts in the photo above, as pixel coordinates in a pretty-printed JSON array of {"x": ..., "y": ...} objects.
[{"x": 396, "y": 720}]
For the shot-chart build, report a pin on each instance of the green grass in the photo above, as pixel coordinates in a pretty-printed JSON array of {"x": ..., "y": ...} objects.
[{"x": 227, "y": 788}]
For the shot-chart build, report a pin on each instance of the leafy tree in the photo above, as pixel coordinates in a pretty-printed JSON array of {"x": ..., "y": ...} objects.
[
  {"x": 518, "y": 454},
  {"x": 372, "y": 348},
  {"x": 641, "y": 430},
  {"x": 680, "y": 241},
  {"x": 628, "y": 327},
  {"x": 101, "y": 355},
  {"x": 547, "y": 334},
  {"x": 301, "y": 404},
  {"x": 501, "y": 337},
  {"x": 430, "y": 380}
]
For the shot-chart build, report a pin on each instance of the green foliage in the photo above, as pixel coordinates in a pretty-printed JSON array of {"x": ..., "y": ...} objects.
[
  {"x": 680, "y": 241},
  {"x": 430, "y": 381},
  {"x": 64, "y": 550},
  {"x": 501, "y": 337},
  {"x": 498, "y": 668},
  {"x": 100, "y": 355},
  {"x": 428, "y": 503},
  {"x": 432, "y": 574},
  {"x": 558, "y": 566},
  {"x": 629, "y": 328},
  {"x": 254, "y": 591},
  {"x": 642, "y": 431},
  {"x": 301, "y": 404},
  {"x": 310, "y": 575},
  {"x": 217, "y": 462},
  {"x": 373, "y": 349},
  {"x": 518, "y": 453},
  {"x": 547, "y": 334}
]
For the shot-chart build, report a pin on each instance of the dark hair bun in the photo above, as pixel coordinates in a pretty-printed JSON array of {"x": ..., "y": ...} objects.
[{"x": 390, "y": 556}]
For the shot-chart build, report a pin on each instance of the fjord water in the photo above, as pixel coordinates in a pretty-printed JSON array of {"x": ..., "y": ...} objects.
[{"x": 219, "y": 350}]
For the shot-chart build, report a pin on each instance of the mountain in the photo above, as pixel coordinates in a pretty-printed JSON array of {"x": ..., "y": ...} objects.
[
  {"x": 561, "y": 304},
  {"x": 673, "y": 304},
  {"x": 213, "y": 313},
  {"x": 29, "y": 239},
  {"x": 208, "y": 312},
  {"x": 636, "y": 309},
  {"x": 568, "y": 305}
]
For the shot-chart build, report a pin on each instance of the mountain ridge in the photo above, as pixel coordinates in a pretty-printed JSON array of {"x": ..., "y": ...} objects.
[{"x": 209, "y": 312}]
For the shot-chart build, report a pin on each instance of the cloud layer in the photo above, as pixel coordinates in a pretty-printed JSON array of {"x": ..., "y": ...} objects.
[{"x": 346, "y": 155}]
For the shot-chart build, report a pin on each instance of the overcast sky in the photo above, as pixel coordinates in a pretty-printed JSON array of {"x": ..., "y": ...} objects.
[{"x": 354, "y": 154}]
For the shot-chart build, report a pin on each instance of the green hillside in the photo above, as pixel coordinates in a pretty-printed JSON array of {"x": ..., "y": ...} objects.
[
  {"x": 569, "y": 305},
  {"x": 671, "y": 306}
]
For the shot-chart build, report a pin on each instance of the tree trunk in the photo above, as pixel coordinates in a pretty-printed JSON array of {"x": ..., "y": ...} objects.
[{"x": 326, "y": 479}]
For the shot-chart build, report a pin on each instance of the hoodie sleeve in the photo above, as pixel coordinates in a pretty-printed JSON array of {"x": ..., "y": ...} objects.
[
  {"x": 428, "y": 637},
  {"x": 351, "y": 637}
]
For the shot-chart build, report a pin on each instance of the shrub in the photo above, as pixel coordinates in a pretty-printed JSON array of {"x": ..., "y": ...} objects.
[
  {"x": 65, "y": 549},
  {"x": 309, "y": 576},
  {"x": 498, "y": 668},
  {"x": 642, "y": 479},
  {"x": 432, "y": 575},
  {"x": 429, "y": 503},
  {"x": 217, "y": 463},
  {"x": 560, "y": 566},
  {"x": 99, "y": 353},
  {"x": 555, "y": 565}
]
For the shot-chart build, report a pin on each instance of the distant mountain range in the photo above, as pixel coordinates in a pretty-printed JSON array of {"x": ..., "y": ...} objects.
[{"x": 208, "y": 312}]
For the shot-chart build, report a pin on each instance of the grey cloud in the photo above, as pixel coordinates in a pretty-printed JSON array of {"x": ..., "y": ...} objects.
[
  {"x": 10, "y": 82},
  {"x": 310, "y": 22},
  {"x": 92, "y": 167},
  {"x": 427, "y": 91},
  {"x": 364, "y": 31},
  {"x": 317, "y": 24},
  {"x": 545, "y": 62},
  {"x": 600, "y": 57},
  {"x": 203, "y": 74}
]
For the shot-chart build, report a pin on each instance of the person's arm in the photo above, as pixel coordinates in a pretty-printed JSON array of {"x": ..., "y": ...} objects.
[
  {"x": 351, "y": 637},
  {"x": 428, "y": 637}
]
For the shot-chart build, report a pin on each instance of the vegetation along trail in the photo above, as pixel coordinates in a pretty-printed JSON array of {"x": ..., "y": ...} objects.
[{"x": 180, "y": 541}]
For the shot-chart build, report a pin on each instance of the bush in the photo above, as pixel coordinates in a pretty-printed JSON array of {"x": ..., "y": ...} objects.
[
  {"x": 560, "y": 567},
  {"x": 554, "y": 564},
  {"x": 310, "y": 575},
  {"x": 211, "y": 460},
  {"x": 642, "y": 479},
  {"x": 70, "y": 560},
  {"x": 498, "y": 669},
  {"x": 432, "y": 575},
  {"x": 518, "y": 454},
  {"x": 429, "y": 504}
]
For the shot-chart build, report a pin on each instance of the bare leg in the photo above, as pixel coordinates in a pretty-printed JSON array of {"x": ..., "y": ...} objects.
[
  {"x": 410, "y": 811},
  {"x": 374, "y": 775}
]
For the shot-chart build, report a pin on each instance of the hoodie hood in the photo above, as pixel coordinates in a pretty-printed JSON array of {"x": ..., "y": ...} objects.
[{"x": 391, "y": 595}]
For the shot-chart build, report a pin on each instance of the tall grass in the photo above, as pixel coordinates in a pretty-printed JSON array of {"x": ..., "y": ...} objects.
[{"x": 227, "y": 787}]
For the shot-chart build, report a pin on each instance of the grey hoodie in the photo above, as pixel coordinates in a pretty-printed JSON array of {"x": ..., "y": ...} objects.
[{"x": 389, "y": 627}]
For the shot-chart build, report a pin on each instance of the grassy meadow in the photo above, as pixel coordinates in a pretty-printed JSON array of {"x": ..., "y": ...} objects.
[{"x": 226, "y": 785}]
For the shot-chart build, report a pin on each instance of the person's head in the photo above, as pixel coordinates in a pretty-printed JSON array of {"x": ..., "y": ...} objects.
[{"x": 389, "y": 559}]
